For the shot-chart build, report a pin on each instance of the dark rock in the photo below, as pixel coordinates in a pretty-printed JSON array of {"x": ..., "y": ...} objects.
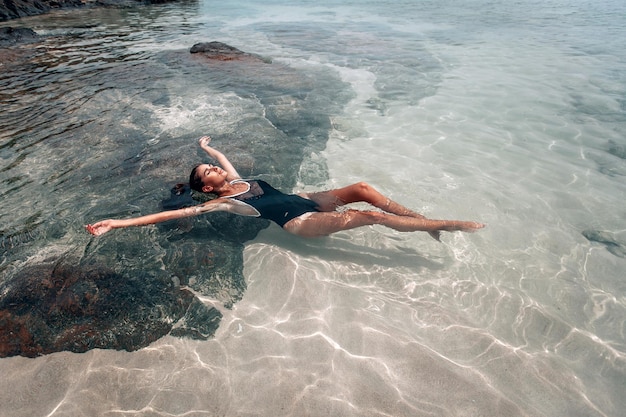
[
  {"x": 607, "y": 239},
  {"x": 11, "y": 35},
  {"x": 223, "y": 52},
  {"x": 215, "y": 48},
  {"x": 616, "y": 149},
  {"x": 13, "y": 9},
  {"x": 53, "y": 306},
  {"x": 199, "y": 323},
  {"x": 123, "y": 4},
  {"x": 10, "y": 40}
]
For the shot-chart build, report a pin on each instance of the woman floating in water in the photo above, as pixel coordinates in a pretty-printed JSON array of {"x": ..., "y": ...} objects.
[{"x": 307, "y": 214}]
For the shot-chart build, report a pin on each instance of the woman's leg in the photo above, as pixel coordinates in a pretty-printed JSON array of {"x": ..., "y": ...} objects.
[
  {"x": 363, "y": 192},
  {"x": 325, "y": 223},
  {"x": 359, "y": 192}
]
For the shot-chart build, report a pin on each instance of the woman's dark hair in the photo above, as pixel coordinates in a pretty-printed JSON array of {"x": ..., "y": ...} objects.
[{"x": 194, "y": 181}]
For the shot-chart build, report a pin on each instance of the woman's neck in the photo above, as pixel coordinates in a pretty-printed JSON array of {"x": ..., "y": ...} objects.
[{"x": 232, "y": 188}]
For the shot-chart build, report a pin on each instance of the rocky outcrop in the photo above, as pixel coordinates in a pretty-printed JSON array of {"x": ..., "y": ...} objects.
[
  {"x": 11, "y": 54},
  {"x": 9, "y": 35},
  {"x": 222, "y": 52},
  {"x": 13, "y": 9}
]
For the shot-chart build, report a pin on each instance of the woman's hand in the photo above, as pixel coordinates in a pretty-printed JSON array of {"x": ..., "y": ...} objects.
[
  {"x": 101, "y": 227},
  {"x": 204, "y": 141},
  {"x": 219, "y": 157}
]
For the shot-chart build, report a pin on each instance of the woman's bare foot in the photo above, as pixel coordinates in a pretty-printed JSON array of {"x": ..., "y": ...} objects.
[{"x": 466, "y": 226}]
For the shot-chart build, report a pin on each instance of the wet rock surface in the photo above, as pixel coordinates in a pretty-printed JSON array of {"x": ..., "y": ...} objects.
[
  {"x": 223, "y": 52},
  {"x": 11, "y": 40},
  {"x": 11, "y": 35},
  {"x": 13, "y": 9},
  {"x": 55, "y": 305}
]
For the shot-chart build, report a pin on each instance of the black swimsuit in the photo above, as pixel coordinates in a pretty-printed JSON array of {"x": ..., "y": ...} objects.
[{"x": 274, "y": 205}]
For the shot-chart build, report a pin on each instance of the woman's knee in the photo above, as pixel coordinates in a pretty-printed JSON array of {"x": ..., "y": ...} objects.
[
  {"x": 363, "y": 190},
  {"x": 362, "y": 186}
]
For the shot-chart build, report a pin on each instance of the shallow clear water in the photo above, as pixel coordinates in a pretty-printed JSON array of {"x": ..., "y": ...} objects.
[{"x": 510, "y": 114}]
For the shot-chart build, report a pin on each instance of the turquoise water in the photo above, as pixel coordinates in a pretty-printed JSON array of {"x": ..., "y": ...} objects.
[{"x": 511, "y": 114}]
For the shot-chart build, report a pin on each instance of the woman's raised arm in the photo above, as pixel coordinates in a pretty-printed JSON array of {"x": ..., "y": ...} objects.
[{"x": 219, "y": 157}]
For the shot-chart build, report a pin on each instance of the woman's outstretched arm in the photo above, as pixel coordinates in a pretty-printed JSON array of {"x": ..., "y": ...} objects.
[
  {"x": 219, "y": 204},
  {"x": 219, "y": 157}
]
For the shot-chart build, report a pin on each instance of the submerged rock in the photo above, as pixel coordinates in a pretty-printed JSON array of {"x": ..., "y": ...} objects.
[
  {"x": 52, "y": 306},
  {"x": 11, "y": 51},
  {"x": 222, "y": 52},
  {"x": 616, "y": 149},
  {"x": 10, "y": 35},
  {"x": 607, "y": 239}
]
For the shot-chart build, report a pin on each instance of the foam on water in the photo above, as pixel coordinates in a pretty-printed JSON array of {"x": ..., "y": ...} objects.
[{"x": 205, "y": 111}]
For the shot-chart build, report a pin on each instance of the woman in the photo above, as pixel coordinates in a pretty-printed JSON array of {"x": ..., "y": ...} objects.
[{"x": 308, "y": 214}]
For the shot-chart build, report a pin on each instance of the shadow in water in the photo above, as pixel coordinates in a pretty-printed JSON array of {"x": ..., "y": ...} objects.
[{"x": 333, "y": 248}]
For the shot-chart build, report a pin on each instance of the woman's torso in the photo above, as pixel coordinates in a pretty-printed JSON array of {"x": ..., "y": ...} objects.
[{"x": 272, "y": 204}]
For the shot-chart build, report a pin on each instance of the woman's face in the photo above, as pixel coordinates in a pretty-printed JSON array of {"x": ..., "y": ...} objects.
[{"x": 211, "y": 176}]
